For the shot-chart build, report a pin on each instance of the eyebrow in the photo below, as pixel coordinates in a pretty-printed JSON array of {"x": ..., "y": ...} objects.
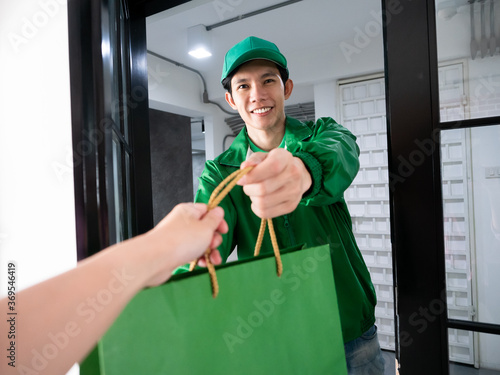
[{"x": 265, "y": 75}]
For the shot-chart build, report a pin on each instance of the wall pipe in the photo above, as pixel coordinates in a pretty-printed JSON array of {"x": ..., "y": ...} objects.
[
  {"x": 250, "y": 14},
  {"x": 205, "y": 92}
]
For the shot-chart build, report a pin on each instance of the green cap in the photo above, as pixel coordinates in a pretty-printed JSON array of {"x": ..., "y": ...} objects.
[{"x": 251, "y": 48}]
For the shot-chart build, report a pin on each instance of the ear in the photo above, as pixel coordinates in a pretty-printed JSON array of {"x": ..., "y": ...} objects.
[
  {"x": 230, "y": 101},
  {"x": 288, "y": 88}
]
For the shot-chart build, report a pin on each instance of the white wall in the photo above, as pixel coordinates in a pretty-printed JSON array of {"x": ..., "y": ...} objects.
[
  {"x": 37, "y": 209},
  {"x": 37, "y": 215},
  {"x": 484, "y": 97},
  {"x": 361, "y": 55},
  {"x": 484, "y": 86},
  {"x": 326, "y": 103},
  {"x": 485, "y": 145},
  {"x": 179, "y": 91}
]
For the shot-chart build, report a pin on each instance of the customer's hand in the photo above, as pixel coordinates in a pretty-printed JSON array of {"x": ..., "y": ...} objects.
[{"x": 183, "y": 235}]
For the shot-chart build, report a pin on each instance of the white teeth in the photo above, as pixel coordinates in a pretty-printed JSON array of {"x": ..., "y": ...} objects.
[{"x": 262, "y": 110}]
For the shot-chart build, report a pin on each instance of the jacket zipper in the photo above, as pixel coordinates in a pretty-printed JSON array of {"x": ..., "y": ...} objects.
[{"x": 289, "y": 229}]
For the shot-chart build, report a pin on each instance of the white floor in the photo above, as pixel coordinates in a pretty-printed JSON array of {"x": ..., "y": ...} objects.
[{"x": 455, "y": 368}]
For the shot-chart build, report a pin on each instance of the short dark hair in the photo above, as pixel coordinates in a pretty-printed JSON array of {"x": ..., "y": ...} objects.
[{"x": 226, "y": 82}]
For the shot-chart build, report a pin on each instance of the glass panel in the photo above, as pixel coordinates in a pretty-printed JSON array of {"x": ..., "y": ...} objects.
[
  {"x": 471, "y": 205},
  {"x": 362, "y": 106},
  {"x": 482, "y": 360},
  {"x": 127, "y": 198},
  {"x": 118, "y": 190},
  {"x": 348, "y": 44},
  {"x": 461, "y": 348},
  {"x": 124, "y": 58},
  {"x": 468, "y": 34},
  {"x": 118, "y": 70},
  {"x": 485, "y": 143},
  {"x": 114, "y": 64}
]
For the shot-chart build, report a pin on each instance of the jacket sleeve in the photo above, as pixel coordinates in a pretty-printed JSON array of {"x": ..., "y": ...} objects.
[{"x": 331, "y": 156}]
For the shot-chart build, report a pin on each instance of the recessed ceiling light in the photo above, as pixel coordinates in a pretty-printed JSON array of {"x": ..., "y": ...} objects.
[
  {"x": 200, "y": 53},
  {"x": 198, "y": 42}
]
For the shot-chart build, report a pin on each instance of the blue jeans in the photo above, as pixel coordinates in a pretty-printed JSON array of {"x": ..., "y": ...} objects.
[{"x": 363, "y": 355}]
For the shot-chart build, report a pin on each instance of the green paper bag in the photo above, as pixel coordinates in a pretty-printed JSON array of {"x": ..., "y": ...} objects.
[{"x": 259, "y": 323}]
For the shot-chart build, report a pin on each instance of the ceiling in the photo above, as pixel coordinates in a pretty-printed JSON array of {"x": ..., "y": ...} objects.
[
  {"x": 323, "y": 40},
  {"x": 308, "y": 32}
]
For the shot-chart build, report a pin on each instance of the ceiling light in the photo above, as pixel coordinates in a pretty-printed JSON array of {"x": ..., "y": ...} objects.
[
  {"x": 200, "y": 53},
  {"x": 447, "y": 9},
  {"x": 198, "y": 42}
]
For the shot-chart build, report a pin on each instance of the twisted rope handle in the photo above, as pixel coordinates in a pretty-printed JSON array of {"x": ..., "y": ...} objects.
[
  {"x": 216, "y": 197},
  {"x": 274, "y": 241}
]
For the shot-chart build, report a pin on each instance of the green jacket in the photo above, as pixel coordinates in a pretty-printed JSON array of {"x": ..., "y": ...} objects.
[{"x": 330, "y": 153}]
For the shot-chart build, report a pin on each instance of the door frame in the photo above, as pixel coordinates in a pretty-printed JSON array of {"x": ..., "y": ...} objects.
[{"x": 415, "y": 196}]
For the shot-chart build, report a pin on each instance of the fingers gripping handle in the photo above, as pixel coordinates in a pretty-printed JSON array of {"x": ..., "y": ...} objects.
[{"x": 215, "y": 198}]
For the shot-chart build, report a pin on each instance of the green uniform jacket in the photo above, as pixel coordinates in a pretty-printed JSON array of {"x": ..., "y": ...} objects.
[{"x": 330, "y": 153}]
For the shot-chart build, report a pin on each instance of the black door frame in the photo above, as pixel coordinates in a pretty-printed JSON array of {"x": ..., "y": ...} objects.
[
  {"x": 86, "y": 72},
  {"x": 411, "y": 67},
  {"x": 90, "y": 107},
  {"x": 415, "y": 193}
]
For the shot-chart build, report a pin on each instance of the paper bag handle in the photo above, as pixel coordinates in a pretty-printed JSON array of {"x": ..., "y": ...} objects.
[{"x": 215, "y": 198}]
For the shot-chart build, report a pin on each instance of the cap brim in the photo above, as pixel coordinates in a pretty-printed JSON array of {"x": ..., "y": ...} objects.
[{"x": 256, "y": 54}]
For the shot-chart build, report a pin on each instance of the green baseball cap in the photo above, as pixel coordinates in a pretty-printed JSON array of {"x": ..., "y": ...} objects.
[{"x": 251, "y": 48}]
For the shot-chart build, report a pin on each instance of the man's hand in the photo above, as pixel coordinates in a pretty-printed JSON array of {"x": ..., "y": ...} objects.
[{"x": 276, "y": 184}]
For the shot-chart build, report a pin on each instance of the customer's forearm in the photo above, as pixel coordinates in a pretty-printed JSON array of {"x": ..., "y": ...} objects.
[{"x": 52, "y": 336}]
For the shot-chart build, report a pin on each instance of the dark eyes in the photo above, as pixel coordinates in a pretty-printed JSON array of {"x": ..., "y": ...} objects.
[{"x": 245, "y": 86}]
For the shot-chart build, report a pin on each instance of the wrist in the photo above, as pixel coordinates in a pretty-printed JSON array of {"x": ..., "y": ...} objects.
[
  {"x": 314, "y": 169},
  {"x": 306, "y": 179},
  {"x": 156, "y": 260},
  {"x": 145, "y": 259}
]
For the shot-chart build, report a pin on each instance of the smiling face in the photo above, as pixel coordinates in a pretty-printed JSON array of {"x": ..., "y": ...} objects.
[{"x": 259, "y": 95}]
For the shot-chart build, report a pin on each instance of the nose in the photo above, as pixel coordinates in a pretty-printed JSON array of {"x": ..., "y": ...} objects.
[{"x": 258, "y": 93}]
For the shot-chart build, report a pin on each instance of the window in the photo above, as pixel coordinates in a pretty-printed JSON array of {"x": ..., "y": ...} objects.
[
  {"x": 470, "y": 175},
  {"x": 362, "y": 111},
  {"x": 119, "y": 186},
  {"x": 102, "y": 99}
]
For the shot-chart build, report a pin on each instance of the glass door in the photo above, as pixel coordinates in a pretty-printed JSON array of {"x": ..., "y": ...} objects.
[
  {"x": 441, "y": 151},
  {"x": 102, "y": 99},
  {"x": 470, "y": 174},
  {"x": 442, "y": 82}
]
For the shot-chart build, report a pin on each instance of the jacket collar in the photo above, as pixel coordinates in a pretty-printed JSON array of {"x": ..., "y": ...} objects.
[{"x": 295, "y": 130}]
